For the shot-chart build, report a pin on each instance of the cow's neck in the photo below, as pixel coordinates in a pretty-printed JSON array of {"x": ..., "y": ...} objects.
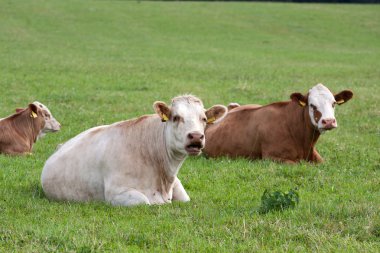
[
  {"x": 166, "y": 162},
  {"x": 174, "y": 158},
  {"x": 304, "y": 133},
  {"x": 26, "y": 127}
]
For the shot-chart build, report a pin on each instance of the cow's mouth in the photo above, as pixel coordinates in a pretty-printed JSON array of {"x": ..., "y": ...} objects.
[
  {"x": 194, "y": 148},
  {"x": 326, "y": 128},
  {"x": 50, "y": 130}
]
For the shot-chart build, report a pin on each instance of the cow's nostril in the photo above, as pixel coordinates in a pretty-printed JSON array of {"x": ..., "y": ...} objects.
[
  {"x": 329, "y": 122},
  {"x": 195, "y": 136}
]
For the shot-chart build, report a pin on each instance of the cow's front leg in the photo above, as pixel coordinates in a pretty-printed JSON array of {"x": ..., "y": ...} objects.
[
  {"x": 283, "y": 160},
  {"x": 316, "y": 157},
  {"x": 128, "y": 198},
  {"x": 179, "y": 192},
  {"x": 278, "y": 159}
]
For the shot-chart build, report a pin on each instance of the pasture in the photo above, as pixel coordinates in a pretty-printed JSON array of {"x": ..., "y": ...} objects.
[{"x": 98, "y": 62}]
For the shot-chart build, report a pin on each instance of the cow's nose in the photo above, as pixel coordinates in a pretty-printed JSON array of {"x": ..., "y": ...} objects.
[
  {"x": 329, "y": 123},
  {"x": 196, "y": 136}
]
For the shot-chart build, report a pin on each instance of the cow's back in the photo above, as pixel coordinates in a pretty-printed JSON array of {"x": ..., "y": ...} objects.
[
  {"x": 82, "y": 168},
  {"x": 242, "y": 132}
]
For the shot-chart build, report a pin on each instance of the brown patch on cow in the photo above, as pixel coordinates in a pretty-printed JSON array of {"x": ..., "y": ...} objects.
[{"x": 317, "y": 115}]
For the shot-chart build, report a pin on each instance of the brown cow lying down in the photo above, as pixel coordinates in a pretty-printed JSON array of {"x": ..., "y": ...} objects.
[
  {"x": 21, "y": 130},
  {"x": 282, "y": 131}
]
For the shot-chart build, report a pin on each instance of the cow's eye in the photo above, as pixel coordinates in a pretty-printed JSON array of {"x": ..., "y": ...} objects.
[
  {"x": 176, "y": 118},
  {"x": 204, "y": 119},
  {"x": 333, "y": 105},
  {"x": 313, "y": 106}
]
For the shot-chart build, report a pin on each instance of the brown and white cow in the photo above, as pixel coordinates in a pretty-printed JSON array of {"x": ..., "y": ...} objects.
[
  {"x": 21, "y": 130},
  {"x": 131, "y": 162},
  {"x": 282, "y": 131}
]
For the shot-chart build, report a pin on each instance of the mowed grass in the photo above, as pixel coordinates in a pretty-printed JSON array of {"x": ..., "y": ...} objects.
[{"x": 98, "y": 62}]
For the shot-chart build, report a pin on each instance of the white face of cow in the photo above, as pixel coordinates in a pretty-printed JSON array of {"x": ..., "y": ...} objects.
[
  {"x": 321, "y": 105},
  {"x": 186, "y": 120},
  {"x": 51, "y": 124}
]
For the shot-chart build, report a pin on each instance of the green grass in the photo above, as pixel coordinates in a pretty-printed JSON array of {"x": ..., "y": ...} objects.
[{"x": 98, "y": 62}]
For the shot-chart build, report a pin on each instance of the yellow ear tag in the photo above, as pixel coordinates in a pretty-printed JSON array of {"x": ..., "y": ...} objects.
[
  {"x": 211, "y": 120},
  {"x": 33, "y": 115},
  {"x": 164, "y": 117},
  {"x": 301, "y": 103},
  {"x": 340, "y": 101}
]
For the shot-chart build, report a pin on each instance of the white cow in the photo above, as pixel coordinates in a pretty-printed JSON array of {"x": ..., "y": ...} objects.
[{"x": 131, "y": 162}]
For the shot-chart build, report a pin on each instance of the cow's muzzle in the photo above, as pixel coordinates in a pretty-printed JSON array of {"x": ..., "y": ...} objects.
[
  {"x": 328, "y": 124},
  {"x": 195, "y": 143}
]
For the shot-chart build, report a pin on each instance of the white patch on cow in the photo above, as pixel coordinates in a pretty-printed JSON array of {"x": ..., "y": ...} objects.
[
  {"x": 321, "y": 99},
  {"x": 187, "y": 117},
  {"x": 51, "y": 124}
]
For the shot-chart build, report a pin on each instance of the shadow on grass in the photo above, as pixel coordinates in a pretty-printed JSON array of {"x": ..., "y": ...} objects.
[{"x": 34, "y": 190}]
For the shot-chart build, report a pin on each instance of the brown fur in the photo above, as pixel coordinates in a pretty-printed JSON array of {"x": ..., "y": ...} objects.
[
  {"x": 19, "y": 131},
  {"x": 280, "y": 131}
]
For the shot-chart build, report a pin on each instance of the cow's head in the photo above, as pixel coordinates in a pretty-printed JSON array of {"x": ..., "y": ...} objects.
[
  {"x": 321, "y": 105},
  {"x": 186, "y": 120},
  {"x": 51, "y": 124}
]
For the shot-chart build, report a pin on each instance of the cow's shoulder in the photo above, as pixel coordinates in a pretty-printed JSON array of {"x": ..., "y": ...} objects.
[{"x": 134, "y": 122}]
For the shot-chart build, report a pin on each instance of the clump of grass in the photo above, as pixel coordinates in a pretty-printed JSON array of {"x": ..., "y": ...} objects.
[{"x": 278, "y": 200}]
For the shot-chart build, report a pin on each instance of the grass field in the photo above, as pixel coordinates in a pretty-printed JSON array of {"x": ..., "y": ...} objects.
[{"x": 98, "y": 62}]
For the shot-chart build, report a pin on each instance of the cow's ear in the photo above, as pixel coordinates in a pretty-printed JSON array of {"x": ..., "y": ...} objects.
[
  {"x": 33, "y": 110},
  {"x": 162, "y": 110},
  {"x": 299, "y": 98},
  {"x": 232, "y": 106},
  {"x": 343, "y": 96},
  {"x": 216, "y": 112},
  {"x": 18, "y": 110}
]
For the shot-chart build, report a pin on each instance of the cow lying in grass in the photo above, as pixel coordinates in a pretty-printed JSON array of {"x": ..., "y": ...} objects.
[
  {"x": 282, "y": 131},
  {"x": 131, "y": 162},
  {"x": 21, "y": 130}
]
